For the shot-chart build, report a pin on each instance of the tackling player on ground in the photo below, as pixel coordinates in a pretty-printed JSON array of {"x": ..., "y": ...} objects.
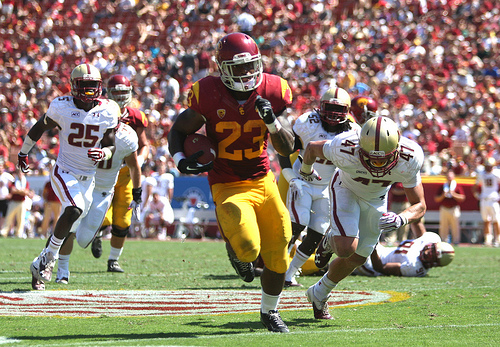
[
  {"x": 412, "y": 258},
  {"x": 86, "y": 126},
  {"x": 241, "y": 109}
]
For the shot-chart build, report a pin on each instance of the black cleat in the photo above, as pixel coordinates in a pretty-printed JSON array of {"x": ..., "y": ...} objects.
[
  {"x": 323, "y": 253},
  {"x": 246, "y": 271},
  {"x": 97, "y": 247},
  {"x": 273, "y": 322},
  {"x": 113, "y": 266}
]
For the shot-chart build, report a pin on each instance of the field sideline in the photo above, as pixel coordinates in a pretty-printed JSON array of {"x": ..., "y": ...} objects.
[{"x": 454, "y": 306}]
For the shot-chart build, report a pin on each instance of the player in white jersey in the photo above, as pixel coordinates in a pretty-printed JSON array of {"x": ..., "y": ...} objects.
[
  {"x": 85, "y": 229},
  {"x": 86, "y": 134},
  {"x": 488, "y": 182},
  {"x": 368, "y": 163},
  {"x": 308, "y": 202},
  {"x": 412, "y": 258}
]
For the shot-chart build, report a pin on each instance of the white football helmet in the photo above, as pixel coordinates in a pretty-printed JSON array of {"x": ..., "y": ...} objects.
[
  {"x": 86, "y": 83},
  {"x": 334, "y": 106},
  {"x": 437, "y": 254},
  {"x": 379, "y": 145}
]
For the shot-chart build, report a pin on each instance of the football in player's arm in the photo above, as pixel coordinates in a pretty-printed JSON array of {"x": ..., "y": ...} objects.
[{"x": 240, "y": 110}]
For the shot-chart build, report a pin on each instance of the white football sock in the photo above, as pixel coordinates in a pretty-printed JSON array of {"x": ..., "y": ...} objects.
[
  {"x": 115, "y": 253},
  {"x": 323, "y": 287},
  {"x": 269, "y": 302},
  {"x": 298, "y": 260}
]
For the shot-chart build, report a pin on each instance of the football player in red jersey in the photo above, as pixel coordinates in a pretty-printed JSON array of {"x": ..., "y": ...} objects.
[
  {"x": 363, "y": 108},
  {"x": 119, "y": 214},
  {"x": 241, "y": 109}
]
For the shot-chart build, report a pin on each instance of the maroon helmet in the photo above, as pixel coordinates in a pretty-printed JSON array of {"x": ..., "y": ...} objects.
[
  {"x": 239, "y": 61},
  {"x": 119, "y": 90},
  {"x": 363, "y": 108}
]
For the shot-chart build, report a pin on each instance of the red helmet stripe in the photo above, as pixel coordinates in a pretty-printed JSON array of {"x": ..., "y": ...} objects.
[
  {"x": 377, "y": 134},
  {"x": 88, "y": 68}
]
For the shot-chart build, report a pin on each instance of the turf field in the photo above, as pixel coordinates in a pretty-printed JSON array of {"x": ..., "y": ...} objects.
[{"x": 171, "y": 290}]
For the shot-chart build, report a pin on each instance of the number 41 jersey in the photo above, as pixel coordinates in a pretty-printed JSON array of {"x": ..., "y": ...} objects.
[
  {"x": 80, "y": 130},
  {"x": 343, "y": 152}
]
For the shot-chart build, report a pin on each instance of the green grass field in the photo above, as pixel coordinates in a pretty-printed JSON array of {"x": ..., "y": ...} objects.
[{"x": 454, "y": 306}]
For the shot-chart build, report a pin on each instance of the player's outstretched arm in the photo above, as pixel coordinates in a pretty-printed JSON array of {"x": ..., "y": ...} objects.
[{"x": 34, "y": 134}]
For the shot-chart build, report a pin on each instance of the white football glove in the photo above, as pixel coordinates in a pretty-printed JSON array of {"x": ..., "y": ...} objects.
[
  {"x": 296, "y": 187},
  {"x": 136, "y": 211},
  {"x": 135, "y": 205},
  {"x": 99, "y": 154},
  {"x": 391, "y": 221},
  {"x": 309, "y": 177}
]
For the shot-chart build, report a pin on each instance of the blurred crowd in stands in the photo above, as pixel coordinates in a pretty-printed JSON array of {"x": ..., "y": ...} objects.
[{"x": 432, "y": 65}]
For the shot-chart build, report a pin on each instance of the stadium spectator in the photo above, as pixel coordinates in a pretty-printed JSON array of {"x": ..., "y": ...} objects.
[
  {"x": 51, "y": 210},
  {"x": 250, "y": 212},
  {"x": 485, "y": 189},
  {"x": 449, "y": 196},
  {"x": 19, "y": 204},
  {"x": 6, "y": 179}
]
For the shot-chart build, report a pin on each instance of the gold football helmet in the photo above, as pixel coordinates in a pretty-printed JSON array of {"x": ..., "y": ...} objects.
[
  {"x": 86, "y": 83},
  {"x": 437, "y": 254},
  {"x": 334, "y": 106},
  {"x": 379, "y": 145}
]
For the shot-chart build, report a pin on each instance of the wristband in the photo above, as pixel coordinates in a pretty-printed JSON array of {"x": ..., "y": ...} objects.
[
  {"x": 288, "y": 174},
  {"x": 140, "y": 160},
  {"x": 107, "y": 153},
  {"x": 27, "y": 144},
  {"x": 307, "y": 169},
  {"x": 404, "y": 220},
  {"x": 178, "y": 157},
  {"x": 274, "y": 127}
]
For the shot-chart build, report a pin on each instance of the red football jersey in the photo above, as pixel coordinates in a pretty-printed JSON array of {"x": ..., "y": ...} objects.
[
  {"x": 238, "y": 130},
  {"x": 135, "y": 118}
]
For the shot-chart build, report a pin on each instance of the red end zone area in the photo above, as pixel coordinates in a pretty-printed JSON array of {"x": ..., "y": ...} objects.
[{"x": 82, "y": 303}]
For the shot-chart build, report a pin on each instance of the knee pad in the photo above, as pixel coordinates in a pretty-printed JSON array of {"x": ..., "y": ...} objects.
[
  {"x": 73, "y": 213},
  {"x": 297, "y": 229},
  {"x": 310, "y": 242},
  {"x": 119, "y": 232}
]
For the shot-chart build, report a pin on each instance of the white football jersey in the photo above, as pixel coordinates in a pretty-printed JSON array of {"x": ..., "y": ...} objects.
[
  {"x": 343, "y": 152},
  {"x": 490, "y": 183},
  {"x": 80, "y": 130},
  {"x": 308, "y": 127},
  {"x": 126, "y": 143},
  {"x": 407, "y": 254}
]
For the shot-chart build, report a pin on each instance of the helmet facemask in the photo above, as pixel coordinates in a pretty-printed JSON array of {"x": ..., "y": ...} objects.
[
  {"x": 334, "y": 106},
  {"x": 122, "y": 94},
  {"x": 437, "y": 254},
  {"x": 86, "y": 83},
  {"x": 379, "y": 145},
  {"x": 243, "y": 73}
]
